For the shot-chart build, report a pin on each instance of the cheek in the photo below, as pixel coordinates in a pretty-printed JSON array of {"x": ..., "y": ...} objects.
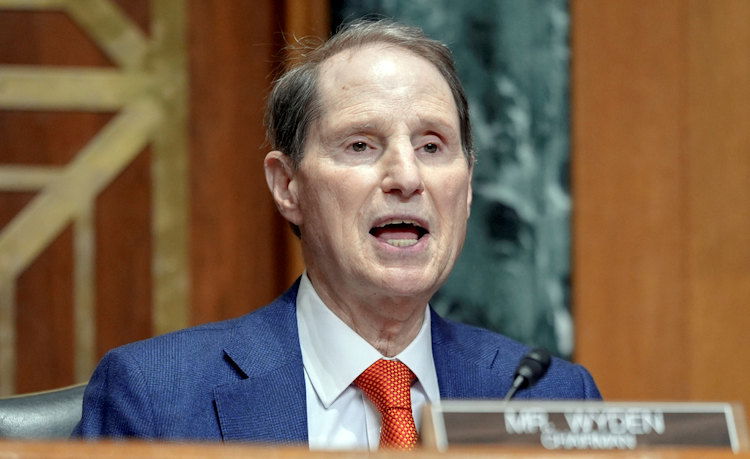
[
  {"x": 329, "y": 200},
  {"x": 456, "y": 196}
]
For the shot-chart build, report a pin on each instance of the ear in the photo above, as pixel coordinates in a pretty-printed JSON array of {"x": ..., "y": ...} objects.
[{"x": 280, "y": 178}]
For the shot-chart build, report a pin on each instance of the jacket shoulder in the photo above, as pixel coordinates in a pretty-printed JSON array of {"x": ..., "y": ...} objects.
[
  {"x": 489, "y": 361},
  {"x": 207, "y": 341}
]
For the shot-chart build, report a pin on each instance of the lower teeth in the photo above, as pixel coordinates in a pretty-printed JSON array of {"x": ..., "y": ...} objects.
[{"x": 402, "y": 242}]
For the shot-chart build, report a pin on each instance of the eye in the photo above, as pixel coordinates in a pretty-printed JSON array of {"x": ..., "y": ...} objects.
[
  {"x": 431, "y": 148},
  {"x": 359, "y": 147}
]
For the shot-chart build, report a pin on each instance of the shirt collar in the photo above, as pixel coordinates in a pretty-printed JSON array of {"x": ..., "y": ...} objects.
[{"x": 334, "y": 355}]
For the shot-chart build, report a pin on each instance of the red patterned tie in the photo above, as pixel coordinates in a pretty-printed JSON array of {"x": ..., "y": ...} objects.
[{"x": 386, "y": 383}]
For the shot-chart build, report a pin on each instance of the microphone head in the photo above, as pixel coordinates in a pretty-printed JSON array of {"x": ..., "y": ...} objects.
[{"x": 533, "y": 366}]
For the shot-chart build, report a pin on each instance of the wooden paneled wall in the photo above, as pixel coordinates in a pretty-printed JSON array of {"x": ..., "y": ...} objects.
[
  {"x": 240, "y": 252},
  {"x": 661, "y": 174},
  {"x": 237, "y": 261}
]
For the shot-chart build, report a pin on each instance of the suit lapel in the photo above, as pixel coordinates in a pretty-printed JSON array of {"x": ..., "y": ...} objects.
[
  {"x": 463, "y": 369},
  {"x": 268, "y": 409},
  {"x": 269, "y": 403}
]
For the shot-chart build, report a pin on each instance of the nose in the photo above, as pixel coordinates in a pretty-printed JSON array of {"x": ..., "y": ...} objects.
[{"x": 402, "y": 173}]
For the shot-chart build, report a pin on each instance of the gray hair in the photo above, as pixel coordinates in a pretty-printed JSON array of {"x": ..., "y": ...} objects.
[{"x": 294, "y": 105}]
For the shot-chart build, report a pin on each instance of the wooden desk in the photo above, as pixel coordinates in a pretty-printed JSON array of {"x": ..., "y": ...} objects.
[{"x": 130, "y": 450}]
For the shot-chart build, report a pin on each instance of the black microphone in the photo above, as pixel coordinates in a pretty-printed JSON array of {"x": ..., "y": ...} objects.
[{"x": 530, "y": 369}]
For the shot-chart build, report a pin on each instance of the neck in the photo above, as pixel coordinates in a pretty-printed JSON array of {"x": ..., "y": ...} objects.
[{"x": 388, "y": 324}]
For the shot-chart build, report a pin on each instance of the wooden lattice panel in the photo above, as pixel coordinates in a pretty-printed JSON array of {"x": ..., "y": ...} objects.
[{"x": 147, "y": 89}]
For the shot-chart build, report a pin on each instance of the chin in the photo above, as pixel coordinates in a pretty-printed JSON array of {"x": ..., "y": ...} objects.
[{"x": 409, "y": 283}]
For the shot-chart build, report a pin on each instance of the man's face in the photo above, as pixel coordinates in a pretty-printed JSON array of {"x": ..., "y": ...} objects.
[{"x": 384, "y": 188}]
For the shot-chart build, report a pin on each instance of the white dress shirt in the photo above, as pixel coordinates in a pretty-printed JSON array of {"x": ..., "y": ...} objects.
[{"x": 339, "y": 415}]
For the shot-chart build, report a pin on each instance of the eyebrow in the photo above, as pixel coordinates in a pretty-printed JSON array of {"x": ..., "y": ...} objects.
[
  {"x": 355, "y": 128},
  {"x": 440, "y": 125},
  {"x": 426, "y": 123}
]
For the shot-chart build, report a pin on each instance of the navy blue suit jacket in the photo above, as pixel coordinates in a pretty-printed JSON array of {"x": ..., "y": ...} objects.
[{"x": 243, "y": 380}]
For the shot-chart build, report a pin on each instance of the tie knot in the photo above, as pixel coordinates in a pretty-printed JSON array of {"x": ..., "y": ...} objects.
[{"x": 387, "y": 384}]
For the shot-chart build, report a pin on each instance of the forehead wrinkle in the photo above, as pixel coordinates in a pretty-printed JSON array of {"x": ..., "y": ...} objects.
[
  {"x": 361, "y": 121},
  {"x": 421, "y": 106}
]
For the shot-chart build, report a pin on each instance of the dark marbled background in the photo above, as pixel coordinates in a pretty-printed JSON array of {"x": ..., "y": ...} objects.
[{"x": 513, "y": 58}]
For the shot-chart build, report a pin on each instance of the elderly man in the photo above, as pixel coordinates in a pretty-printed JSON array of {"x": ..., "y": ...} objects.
[{"x": 372, "y": 167}]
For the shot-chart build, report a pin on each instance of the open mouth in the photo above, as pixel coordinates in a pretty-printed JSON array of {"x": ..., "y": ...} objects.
[{"x": 399, "y": 233}]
